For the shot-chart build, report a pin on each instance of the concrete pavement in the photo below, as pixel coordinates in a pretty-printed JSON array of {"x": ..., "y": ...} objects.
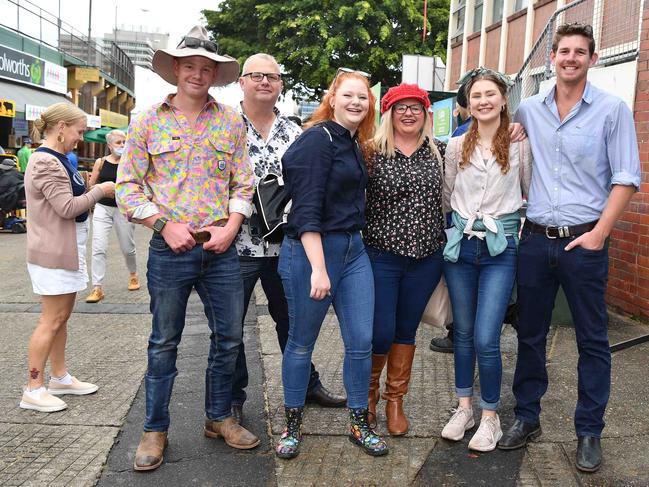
[{"x": 93, "y": 441}]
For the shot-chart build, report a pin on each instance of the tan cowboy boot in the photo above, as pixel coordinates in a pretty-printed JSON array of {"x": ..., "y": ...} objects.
[
  {"x": 233, "y": 433},
  {"x": 150, "y": 451},
  {"x": 396, "y": 386},
  {"x": 378, "y": 362}
]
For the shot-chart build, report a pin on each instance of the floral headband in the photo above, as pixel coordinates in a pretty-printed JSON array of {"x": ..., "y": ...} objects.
[{"x": 469, "y": 75}]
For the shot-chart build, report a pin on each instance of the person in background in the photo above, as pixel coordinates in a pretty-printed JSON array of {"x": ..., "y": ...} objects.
[
  {"x": 323, "y": 260},
  {"x": 106, "y": 217},
  {"x": 404, "y": 238},
  {"x": 72, "y": 157},
  {"x": 24, "y": 153},
  {"x": 57, "y": 229},
  {"x": 486, "y": 178}
]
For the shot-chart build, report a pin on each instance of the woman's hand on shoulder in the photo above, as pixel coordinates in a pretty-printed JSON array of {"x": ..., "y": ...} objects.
[{"x": 517, "y": 132}]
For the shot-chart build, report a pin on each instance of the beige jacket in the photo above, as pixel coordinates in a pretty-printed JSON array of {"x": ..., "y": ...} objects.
[
  {"x": 480, "y": 190},
  {"x": 51, "y": 210}
]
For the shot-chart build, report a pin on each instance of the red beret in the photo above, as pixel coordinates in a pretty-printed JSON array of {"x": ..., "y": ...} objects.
[{"x": 402, "y": 92}]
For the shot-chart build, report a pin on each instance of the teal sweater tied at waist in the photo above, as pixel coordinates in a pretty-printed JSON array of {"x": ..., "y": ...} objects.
[{"x": 496, "y": 231}]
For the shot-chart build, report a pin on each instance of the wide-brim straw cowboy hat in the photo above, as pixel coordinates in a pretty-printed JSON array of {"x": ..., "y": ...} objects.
[{"x": 196, "y": 43}]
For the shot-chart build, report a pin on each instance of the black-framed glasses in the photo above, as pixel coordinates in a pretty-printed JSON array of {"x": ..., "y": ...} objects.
[
  {"x": 415, "y": 109},
  {"x": 258, "y": 77},
  {"x": 195, "y": 43}
]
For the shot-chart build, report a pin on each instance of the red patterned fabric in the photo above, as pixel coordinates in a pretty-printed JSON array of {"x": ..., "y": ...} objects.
[{"x": 401, "y": 92}]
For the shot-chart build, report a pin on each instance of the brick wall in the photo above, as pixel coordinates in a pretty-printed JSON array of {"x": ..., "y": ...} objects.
[{"x": 628, "y": 287}]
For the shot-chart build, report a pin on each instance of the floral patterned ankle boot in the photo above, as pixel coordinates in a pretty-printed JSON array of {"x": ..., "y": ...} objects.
[
  {"x": 362, "y": 435},
  {"x": 288, "y": 445}
]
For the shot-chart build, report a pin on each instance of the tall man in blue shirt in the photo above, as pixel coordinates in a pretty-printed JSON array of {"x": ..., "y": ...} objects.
[{"x": 586, "y": 169}]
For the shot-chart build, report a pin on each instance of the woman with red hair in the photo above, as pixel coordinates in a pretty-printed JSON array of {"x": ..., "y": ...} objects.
[{"x": 323, "y": 260}]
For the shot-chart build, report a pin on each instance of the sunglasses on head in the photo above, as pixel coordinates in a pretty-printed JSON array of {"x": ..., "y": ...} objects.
[
  {"x": 350, "y": 70},
  {"x": 195, "y": 43}
]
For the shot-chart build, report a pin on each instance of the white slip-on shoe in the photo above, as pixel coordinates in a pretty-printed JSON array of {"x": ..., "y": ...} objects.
[
  {"x": 77, "y": 388},
  {"x": 461, "y": 421},
  {"x": 40, "y": 400},
  {"x": 488, "y": 434}
]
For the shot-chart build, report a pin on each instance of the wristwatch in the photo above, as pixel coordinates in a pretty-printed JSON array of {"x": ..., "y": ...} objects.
[{"x": 159, "y": 224}]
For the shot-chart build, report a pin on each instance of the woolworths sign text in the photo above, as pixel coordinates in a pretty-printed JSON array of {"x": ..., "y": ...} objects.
[{"x": 22, "y": 67}]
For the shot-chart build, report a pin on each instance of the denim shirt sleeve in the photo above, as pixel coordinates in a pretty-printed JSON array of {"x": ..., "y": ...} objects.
[
  {"x": 622, "y": 147},
  {"x": 306, "y": 167}
]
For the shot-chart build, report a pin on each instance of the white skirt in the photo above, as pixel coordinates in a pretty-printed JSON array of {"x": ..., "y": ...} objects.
[{"x": 53, "y": 282}]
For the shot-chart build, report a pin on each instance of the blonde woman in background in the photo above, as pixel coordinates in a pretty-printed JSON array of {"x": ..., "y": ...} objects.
[
  {"x": 57, "y": 230},
  {"x": 105, "y": 217}
]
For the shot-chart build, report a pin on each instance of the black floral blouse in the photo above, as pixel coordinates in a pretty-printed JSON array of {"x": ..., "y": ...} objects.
[{"x": 404, "y": 203}]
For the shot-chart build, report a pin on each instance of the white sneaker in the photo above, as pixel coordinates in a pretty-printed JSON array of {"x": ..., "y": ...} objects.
[
  {"x": 461, "y": 421},
  {"x": 77, "y": 388},
  {"x": 488, "y": 434},
  {"x": 41, "y": 400}
]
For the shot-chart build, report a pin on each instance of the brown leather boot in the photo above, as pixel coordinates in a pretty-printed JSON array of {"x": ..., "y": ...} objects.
[
  {"x": 396, "y": 386},
  {"x": 233, "y": 433},
  {"x": 378, "y": 362},
  {"x": 150, "y": 451}
]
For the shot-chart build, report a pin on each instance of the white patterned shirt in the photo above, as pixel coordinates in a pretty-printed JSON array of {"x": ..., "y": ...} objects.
[{"x": 266, "y": 158}]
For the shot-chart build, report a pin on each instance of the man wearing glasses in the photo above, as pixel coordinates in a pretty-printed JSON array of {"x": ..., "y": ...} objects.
[
  {"x": 185, "y": 173},
  {"x": 586, "y": 169},
  {"x": 269, "y": 135}
]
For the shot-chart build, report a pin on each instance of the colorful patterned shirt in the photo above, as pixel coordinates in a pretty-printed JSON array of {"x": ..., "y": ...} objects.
[
  {"x": 265, "y": 158},
  {"x": 196, "y": 175}
]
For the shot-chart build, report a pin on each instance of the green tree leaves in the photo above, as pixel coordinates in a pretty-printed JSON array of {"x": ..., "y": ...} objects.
[{"x": 311, "y": 39}]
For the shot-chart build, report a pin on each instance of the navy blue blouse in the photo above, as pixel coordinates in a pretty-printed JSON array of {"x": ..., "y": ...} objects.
[
  {"x": 326, "y": 179},
  {"x": 78, "y": 186}
]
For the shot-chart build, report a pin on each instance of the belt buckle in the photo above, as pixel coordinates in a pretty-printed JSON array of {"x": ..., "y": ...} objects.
[
  {"x": 548, "y": 235},
  {"x": 201, "y": 237}
]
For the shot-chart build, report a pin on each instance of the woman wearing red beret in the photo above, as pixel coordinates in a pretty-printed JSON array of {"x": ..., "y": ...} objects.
[{"x": 404, "y": 238}]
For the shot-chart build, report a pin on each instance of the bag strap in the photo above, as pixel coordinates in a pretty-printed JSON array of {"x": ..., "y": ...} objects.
[{"x": 328, "y": 133}]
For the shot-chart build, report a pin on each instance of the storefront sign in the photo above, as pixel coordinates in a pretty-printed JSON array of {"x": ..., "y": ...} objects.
[
  {"x": 94, "y": 122},
  {"x": 112, "y": 119},
  {"x": 86, "y": 74},
  {"x": 20, "y": 127},
  {"x": 442, "y": 119},
  {"x": 32, "y": 112},
  {"x": 25, "y": 68},
  {"x": 7, "y": 108}
]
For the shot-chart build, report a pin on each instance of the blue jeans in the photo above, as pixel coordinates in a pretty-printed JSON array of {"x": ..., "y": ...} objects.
[
  {"x": 264, "y": 269},
  {"x": 543, "y": 265},
  {"x": 480, "y": 287},
  {"x": 352, "y": 296},
  {"x": 170, "y": 279},
  {"x": 403, "y": 286}
]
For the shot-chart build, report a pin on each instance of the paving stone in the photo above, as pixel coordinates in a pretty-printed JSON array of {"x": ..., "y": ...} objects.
[
  {"x": 108, "y": 350},
  {"x": 333, "y": 460},
  {"x": 77, "y": 461}
]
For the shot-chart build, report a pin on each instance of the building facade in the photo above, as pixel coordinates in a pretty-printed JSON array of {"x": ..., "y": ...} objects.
[{"x": 138, "y": 45}]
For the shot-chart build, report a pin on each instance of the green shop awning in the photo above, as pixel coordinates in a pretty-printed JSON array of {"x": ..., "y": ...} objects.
[{"x": 99, "y": 135}]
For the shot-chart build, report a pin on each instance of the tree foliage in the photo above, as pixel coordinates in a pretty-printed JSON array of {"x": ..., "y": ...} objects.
[{"x": 311, "y": 39}]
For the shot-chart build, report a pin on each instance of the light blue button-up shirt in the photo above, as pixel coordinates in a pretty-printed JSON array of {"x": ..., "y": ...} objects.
[{"x": 577, "y": 161}]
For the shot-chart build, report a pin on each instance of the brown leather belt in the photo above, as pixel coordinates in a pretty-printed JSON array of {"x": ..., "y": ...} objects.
[
  {"x": 559, "y": 232},
  {"x": 201, "y": 237}
]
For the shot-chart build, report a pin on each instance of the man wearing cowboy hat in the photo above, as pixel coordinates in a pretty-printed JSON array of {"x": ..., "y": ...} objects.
[{"x": 185, "y": 173}]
